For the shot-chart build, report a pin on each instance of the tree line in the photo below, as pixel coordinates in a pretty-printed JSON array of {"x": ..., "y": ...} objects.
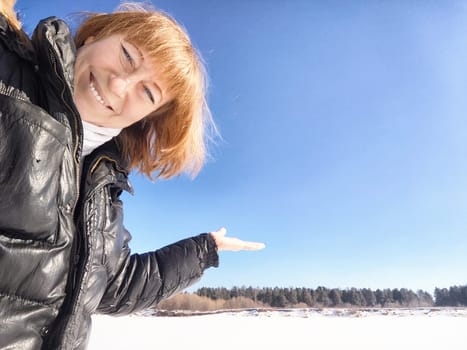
[
  {"x": 211, "y": 299},
  {"x": 454, "y": 296},
  {"x": 322, "y": 296}
]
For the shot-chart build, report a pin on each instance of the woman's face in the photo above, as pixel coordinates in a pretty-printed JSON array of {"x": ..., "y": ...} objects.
[{"x": 115, "y": 85}]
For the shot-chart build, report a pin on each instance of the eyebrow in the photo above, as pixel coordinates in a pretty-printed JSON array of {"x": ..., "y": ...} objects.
[
  {"x": 141, "y": 56},
  {"x": 127, "y": 43}
]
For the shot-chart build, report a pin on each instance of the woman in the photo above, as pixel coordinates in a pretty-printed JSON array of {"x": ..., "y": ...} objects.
[{"x": 73, "y": 123}]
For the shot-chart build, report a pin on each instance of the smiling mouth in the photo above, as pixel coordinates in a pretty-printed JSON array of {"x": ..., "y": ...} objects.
[{"x": 96, "y": 94}]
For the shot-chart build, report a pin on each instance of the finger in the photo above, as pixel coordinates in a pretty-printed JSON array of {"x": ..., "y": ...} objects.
[{"x": 253, "y": 246}]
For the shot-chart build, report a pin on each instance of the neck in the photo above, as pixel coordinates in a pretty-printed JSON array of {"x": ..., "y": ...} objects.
[{"x": 94, "y": 136}]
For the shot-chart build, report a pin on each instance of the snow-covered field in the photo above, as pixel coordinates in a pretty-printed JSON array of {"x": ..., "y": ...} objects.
[{"x": 412, "y": 329}]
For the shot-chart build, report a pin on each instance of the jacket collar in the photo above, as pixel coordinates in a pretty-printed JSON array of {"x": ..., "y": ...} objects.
[
  {"x": 105, "y": 165},
  {"x": 110, "y": 150},
  {"x": 56, "y": 50},
  {"x": 56, "y": 54}
]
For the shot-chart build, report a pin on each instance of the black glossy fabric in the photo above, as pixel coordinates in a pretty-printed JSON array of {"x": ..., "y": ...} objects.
[{"x": 64, "y": 251}]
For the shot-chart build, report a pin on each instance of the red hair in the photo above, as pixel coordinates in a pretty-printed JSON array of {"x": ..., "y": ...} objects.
[{"x": 172, "y": 139}]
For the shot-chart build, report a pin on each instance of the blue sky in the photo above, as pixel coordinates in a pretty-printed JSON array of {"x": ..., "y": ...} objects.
[{"x": 344, "y": 147}]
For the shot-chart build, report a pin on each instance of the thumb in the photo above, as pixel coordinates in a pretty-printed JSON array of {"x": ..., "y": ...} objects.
[{"x": 220, "y": 232}]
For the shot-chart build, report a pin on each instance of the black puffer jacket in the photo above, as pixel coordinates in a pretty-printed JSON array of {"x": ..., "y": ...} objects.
[{"x": 63, "y": 247}]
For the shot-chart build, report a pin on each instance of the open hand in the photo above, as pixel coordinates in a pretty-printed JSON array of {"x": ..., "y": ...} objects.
[{"x": 233, "y": 244}]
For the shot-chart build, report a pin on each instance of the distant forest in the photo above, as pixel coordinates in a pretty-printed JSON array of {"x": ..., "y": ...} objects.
[{"x": 208, "y": 299}]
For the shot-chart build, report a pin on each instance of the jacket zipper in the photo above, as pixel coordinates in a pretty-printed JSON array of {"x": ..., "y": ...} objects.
[
  {"x": 74, "y": 257},
  {"x": 98, "y": 160},
  {"x": 75, "y": 119}
]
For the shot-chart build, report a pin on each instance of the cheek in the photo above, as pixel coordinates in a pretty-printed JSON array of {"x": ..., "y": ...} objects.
[
  {"x": 137, "y": 111},
  {"x": 79, "y": 70},
  {"x": 80, "y": 83}
]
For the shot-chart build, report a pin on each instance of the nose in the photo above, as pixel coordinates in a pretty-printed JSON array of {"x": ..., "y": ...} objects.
[{"x": 119, "y": 85}]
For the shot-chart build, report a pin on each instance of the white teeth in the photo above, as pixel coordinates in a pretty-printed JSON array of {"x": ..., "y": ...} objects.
[{"x": 96, "y": 94}]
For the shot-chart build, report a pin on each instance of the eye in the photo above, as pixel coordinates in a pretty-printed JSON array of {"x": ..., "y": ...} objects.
[
  {"x": 149, "y": 94},
  {"x": 128, "y": 57}
]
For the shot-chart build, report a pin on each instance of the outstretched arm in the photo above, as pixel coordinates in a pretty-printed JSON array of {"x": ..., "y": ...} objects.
[{"x": 142, "y": 280}]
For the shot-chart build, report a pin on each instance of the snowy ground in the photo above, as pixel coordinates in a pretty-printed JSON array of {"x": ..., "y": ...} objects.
[{"x": 414, "y": 329}]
